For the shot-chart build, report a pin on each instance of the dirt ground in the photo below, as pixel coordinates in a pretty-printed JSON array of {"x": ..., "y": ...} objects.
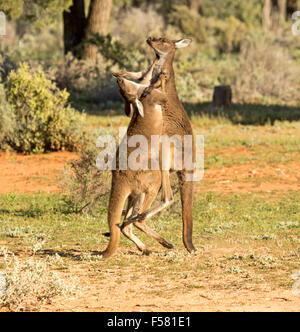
[
  {"x": 28, "y": 174},
  {"x": 212, "y": 296},
  {"x": 34, "y": 173}
]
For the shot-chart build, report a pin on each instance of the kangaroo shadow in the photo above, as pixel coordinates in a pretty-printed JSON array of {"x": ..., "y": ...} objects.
[{"x": 76, "y": 255}]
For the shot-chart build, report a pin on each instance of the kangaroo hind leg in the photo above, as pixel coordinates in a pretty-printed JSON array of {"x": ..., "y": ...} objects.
[
  {"x": 126, "y": 227},
  {"x": 168, "y": 200},
  {"x": 146, "y": 229},
  {"x": 118, "y": 196}
]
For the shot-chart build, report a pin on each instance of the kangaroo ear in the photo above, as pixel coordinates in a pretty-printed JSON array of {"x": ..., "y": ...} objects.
[
  {"x": 183, "y": 43},
  {"x": 140, "y": 107}
]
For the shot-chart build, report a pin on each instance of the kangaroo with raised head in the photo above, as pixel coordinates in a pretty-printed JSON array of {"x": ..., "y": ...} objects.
[
  {"x": 138, "y": 185},
  {"x": 175, "y": 119}
]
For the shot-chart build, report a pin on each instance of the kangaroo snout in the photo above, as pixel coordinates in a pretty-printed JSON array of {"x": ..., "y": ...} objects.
[{"x": 114, "y": 74}]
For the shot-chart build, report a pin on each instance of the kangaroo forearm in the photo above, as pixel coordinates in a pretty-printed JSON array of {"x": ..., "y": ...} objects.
[
  {"x": 144, "y": 75},
  {"x": 133, "y": 75}
]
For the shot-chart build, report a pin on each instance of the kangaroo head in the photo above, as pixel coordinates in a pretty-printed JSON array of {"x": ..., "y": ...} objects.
[
  {"x": 164, "y": 46},
  {"x": 131, "y": 91}
]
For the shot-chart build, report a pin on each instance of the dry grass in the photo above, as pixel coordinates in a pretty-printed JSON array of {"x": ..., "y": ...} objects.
[{"x": 31, "y": 283}]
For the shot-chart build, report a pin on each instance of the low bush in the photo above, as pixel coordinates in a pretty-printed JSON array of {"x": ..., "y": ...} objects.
[
  {"x": 31, "y": 283},
  {"x": 44, "y": 120},
  {"x": 264, "y": 70}
]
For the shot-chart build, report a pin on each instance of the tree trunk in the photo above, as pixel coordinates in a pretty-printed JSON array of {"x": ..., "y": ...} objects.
[
  {"x": 195, "y": 5},
  {"x": 74, "y": 27},
  {"x": 20, "y": 28},
  {"x": 222, "y": 97},
  {"x": 292, "y": 7},
  {"x": 282, "y": 4},
  {"x": 97, "y": 22},
  {"x": 274, "y": 11},
  {"x": 266, "y": 14}
]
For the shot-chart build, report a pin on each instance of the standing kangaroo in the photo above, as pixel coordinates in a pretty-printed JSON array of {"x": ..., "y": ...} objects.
[
  {"x": 143, "y": 185},
  {"x": 175, "y": 119}
]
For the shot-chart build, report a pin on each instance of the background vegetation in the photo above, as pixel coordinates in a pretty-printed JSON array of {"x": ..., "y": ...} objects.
[{"x": 241, "y": 44}]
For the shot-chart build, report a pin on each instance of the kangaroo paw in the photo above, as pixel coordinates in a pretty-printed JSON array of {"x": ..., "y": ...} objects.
[
  {"x": 147, "y": 252},
  {"x": 167, "y": 245}
]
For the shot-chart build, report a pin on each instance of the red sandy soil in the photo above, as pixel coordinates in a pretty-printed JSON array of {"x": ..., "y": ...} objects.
[{"x": 34, "y": 173}]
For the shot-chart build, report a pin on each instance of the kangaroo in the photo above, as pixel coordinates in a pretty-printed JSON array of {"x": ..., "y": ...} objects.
[
  {"x": 175, "y": 119},
  {"x": 138, "y": 185}
]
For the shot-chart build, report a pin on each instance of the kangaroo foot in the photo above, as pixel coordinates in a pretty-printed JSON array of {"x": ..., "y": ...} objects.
[
  {"x": 167, "y": 245},
  {"x": 190, "y": 247},
  {"x": 147, "y": 252}
]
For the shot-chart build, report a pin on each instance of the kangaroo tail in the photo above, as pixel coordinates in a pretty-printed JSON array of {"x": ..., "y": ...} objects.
[{"x": 186, "y": 193}]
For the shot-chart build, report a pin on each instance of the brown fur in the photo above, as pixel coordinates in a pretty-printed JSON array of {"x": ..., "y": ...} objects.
[
  {"x": 175, "y": 119},
  {"x": 140, "y": 184}
]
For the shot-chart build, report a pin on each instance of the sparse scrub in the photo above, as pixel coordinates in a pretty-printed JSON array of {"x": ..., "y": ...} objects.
[
  {"x": 31, "y": 283},
  {"x": 261, "y": 62},
  {"x": 82, "y": 79},
  {"x": 83, "y": 184}
]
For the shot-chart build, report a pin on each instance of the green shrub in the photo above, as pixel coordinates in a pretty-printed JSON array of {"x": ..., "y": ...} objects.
[
  {"x": 7, "y": 120},
  {"x": 31, "y": 283},
  {"x": 44, "y": 120}
]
